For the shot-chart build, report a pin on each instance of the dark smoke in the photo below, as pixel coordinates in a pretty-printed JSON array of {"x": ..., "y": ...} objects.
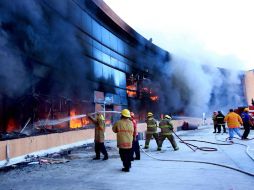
[{"x": 39, "y": 30}]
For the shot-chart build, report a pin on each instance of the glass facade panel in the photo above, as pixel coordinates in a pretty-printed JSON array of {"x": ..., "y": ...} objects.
[
  {"x": 107, "y": 73},
  {"x": 97, "y": 70},
  {"x": 96, "y": 29},
  {"x": 113, "y": 41},
  {"x": 86, "y": 23},
  {"x": 97, "y": 54},
  {"x": 106, "y": 58}
]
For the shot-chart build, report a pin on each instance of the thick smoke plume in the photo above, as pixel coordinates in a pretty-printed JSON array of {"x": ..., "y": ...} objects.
[
  {"x": 192, "y": 88},
  {"x": 35, "y": 30}
]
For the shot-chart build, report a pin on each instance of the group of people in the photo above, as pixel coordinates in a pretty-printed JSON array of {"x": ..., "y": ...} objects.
[
  {"x": 127, "y": 135},
  {"x": 234, "y": 121},
  {"x": 166, "y": 131},
  {"x": 218, "y": 122}
]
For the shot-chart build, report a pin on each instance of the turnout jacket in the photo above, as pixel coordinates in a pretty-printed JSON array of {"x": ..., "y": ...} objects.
[
  {"x": 220, "y": 119},
  {"x": 166, "y": 127},
  {"x": 151, "y": 125},
  {"x": 124, "y": 130},
  {"x": 99, "y": 122}
]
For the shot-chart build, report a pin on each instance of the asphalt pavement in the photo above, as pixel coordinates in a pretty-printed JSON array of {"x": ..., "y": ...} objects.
[{"x": 226, "y": 167}]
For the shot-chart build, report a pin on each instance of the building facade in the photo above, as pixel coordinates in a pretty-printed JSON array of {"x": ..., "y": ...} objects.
[{"x": 71, "y": 58}]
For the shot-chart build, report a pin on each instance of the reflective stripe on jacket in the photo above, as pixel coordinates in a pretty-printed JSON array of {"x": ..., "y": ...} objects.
[
  {"x": 151, "y": 125},
  {"x": 124, "y": 129},
  {"x": 166, "y": 127},
  {"x": 233, "y": 120},
  {"x": 99, "y": 128},
  {"x": 220, "y": 119}
]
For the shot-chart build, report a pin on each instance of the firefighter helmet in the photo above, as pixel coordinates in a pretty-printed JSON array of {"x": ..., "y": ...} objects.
[
  {"x": 246, "y": 109},
  {"x": 100, "y": 116},
  {"x": 149, "y": 114},
  {"x": 125, "y": 113},
  {"x": 132, "y": 114},
  {"x": 167, "y": 117}
]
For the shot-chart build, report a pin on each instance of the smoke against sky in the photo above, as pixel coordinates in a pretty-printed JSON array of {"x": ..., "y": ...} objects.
[
  {"x": 202, "y": 37},
  {"x": 197, "y": 28}
]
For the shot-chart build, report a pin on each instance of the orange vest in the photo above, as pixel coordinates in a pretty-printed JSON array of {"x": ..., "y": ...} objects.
[{"x": 233, "y": 120}]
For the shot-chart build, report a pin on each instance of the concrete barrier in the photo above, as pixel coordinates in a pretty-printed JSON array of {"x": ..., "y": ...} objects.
[{"x": 15, "y": 150}]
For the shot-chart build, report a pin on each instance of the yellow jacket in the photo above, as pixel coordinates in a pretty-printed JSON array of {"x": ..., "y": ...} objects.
[
  {"x": 99, "y": 122},
  {"x": 124, "y": 129},
  {"x": 233, "y": 120}
]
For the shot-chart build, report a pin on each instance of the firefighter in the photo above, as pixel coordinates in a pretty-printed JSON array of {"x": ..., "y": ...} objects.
[
  {"x": 151, "y": 129},
  {"x": 215, "y": 126},
  {"x": 234, "y": 121},
  {"x": 135, "y": 143},
  {"x": 124, "y": 130},
  {"x": 99, "y": 137},
  {"x": 246, "y": 123},
  {"x": 220, "y": 122},
  {"x": 166, "y": 132}
]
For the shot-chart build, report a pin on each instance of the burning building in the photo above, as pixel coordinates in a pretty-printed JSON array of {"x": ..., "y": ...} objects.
[{"x": 65, "y": 58}]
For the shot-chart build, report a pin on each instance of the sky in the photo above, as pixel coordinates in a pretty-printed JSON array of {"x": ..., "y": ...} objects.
[{"x": 215, "y": 32}]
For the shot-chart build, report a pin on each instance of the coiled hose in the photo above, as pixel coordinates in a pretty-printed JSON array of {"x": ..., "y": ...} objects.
[{"x": 202, "y": 149}]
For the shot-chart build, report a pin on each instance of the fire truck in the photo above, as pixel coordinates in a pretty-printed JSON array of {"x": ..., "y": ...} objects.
[{"x": 239, "y": 111}]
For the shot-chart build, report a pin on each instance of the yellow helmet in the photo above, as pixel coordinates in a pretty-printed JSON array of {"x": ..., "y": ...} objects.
[
  {"x": 100, "y": 116},
  {"x": 246, "y": 109},
  {"x": 125, "y": 113},
  {"x": 167, "y": 117},
  {"x": 149, "y": 114}
]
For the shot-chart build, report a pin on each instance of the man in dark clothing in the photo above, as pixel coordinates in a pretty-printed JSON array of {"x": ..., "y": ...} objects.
[
  {"x": 246, "y": 123},
  {"x": 220, "y": 122}
]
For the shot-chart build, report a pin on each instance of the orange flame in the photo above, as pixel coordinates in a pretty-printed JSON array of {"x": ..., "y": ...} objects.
[
  {"x": 11, "y": 126},
  {"x": 131, "y": 90},
  {"x": 77, "y": 123},
  {"x": 154, "y": 98}
]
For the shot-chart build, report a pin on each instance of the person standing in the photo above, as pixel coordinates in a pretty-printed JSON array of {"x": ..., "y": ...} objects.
[
  {"x": 246, "y": 123},
  {"x": 99, "y": 136},
  {"x": 234, "y": 121},
  {"x": 220, "y": 122},
  {"x": 135, "y": 143},
  {"x": 214, "y": 122},
  {"x": 124, "y": 130},
  {"x": 151, "y": 129},
  {"x": 166, "y": 132}
]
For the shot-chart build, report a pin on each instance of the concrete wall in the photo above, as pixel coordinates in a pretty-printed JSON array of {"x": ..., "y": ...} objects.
[
  {"x": 249, "y": 82},
  {"x": 18, "y": 149}
]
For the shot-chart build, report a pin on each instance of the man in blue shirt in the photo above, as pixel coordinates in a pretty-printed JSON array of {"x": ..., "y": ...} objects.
[{"x": 246, "y": 123}]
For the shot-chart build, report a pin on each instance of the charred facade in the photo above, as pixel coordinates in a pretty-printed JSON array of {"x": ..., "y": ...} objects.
[{"x": 71, "y": 57}]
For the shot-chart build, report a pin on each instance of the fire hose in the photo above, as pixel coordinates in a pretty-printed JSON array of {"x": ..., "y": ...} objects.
[
  {"x": 199, "y": 162},
  {"x": 66, "y": 119},
  {"x": 202, "y": 149},
  {"x": 248, "y": 148}
]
